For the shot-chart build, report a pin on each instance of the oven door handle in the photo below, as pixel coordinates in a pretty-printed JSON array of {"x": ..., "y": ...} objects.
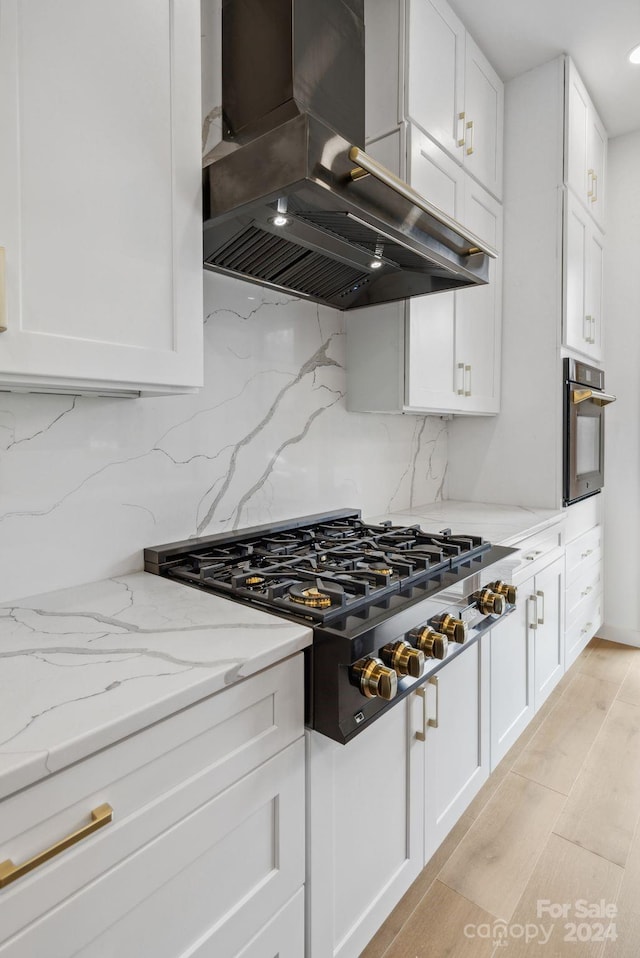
[{"x": 580, "y": 395}]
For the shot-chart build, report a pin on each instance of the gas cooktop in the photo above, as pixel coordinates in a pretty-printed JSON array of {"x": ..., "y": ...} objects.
[
  {"x": 324, "y": 568},
  {"x": 388, "y": 604}
]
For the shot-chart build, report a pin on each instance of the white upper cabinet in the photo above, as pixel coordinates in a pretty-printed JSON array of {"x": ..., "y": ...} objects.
[
  {"x": 584, "y": 251},
  {"x": 437, "y": 353},
  {"x": 423, "y": 67},
  {"x": 453, "y": 339},
  {"x": 483, "y": 119},
  {"x": 586, "y": 147},
  {"x": 436, "y": 69},
  {"x": 100, "y": 210}
]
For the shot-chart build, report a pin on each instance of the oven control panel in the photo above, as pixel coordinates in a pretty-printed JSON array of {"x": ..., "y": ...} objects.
[{"x": 403, "y": 664}]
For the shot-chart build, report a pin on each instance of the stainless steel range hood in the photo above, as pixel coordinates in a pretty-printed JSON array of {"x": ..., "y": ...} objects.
[{"x": 291, "y": 201}]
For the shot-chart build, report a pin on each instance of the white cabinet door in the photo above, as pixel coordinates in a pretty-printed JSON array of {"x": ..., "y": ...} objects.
[
  {"x": 596, "y": 167},
  {"x": 479, "y": 311},
  {"x": 453, "y": 339},
  {"x": 457, "y": 749},
  {"x": 432, "y": 380},
  {"x": 512, "y": 705},
  {"x": 586, "y": 147},
  {"x": 435, "y": 82},
  {"x": 484, "y": 112},
  {"x": 576, "y": 133},
  {"x": 583, "y": 268},
  {"x": 436, "y": 176},
  {"x": 594, "y": 300},
  {"x": 100, "y": 194},
  {"x": 365, "y": 828},
  {"x": 576, "y": 329},
  {"x": 546, "y": 621}
]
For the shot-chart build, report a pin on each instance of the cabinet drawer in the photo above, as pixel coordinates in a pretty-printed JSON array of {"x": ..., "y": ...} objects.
[
  {"x": 582, "y": 628},
  {"x": 151, "y": 780},
  {"x": 582, "y": 551},
  {"x": 210, "y": 883},
  {"x": 583, "y": 516},
  {"x": 581, "y": 590},
  {"x": 537, "y": 552}
]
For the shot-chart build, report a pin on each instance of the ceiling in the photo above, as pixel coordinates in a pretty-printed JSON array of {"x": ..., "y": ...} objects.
[{"x": 517, "y": 36}]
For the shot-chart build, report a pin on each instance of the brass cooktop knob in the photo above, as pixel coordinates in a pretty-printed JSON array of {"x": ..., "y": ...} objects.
[
  {"x": 374, "y": 678},
  {"x": 455, "y": 629},
  {"x": 489, "y": 603},
  {"x": 403, "y": 658},
  {"x": 510, "y": 592},
  {"x": 433, "y": 644}
]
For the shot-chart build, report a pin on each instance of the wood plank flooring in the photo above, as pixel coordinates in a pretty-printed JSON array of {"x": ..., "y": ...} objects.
[{"x": 557, "y": 826}]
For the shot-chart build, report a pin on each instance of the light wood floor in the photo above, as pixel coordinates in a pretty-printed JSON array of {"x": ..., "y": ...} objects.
[{"x": 556, "y": 824}]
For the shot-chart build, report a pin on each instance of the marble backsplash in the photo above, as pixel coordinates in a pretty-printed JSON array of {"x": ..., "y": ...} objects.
[{"x": 87, "y": 483}]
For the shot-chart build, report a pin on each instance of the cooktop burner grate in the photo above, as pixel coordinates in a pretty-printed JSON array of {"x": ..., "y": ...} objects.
[{"x": 322, "y": 570}]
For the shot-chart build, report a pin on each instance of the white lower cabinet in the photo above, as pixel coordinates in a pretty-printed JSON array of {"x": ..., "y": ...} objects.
[
  {"x": 205, "y": 852},
  {"x": 584, "y": 576},
  {"x": 512, "y": 670},
  {"x": 457, "y": 741},
  {"x": 545, "y": 611},
  {"x": 379, "y": 807},
  {"x": 365, "y": 830}
]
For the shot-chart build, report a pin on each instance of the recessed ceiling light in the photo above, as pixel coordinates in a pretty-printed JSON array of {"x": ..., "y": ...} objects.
[{"x": 634, "y": 56}]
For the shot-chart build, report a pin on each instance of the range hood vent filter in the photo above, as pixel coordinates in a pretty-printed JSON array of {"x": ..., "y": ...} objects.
[{"x": 275, "y": 260}]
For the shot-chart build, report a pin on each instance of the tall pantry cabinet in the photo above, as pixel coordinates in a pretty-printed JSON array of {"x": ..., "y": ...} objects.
[{"x": 552, "y": 288}]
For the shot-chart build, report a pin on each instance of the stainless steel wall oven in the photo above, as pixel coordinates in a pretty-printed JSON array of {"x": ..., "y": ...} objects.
[{"x": 584, "y": 403}]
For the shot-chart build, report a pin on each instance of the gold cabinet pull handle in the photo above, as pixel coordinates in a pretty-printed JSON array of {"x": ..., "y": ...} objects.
[
  {"x": 9, "y": 872},
  {"x": 460, "y": 140},
  {"x": 433, "y": 723},
  {"x": 422, "y": 694},
  {"x": 469, "y": 126}
]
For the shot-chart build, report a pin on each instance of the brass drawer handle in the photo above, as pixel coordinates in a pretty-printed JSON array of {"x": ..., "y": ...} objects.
[{"x": 9, "y": 872}]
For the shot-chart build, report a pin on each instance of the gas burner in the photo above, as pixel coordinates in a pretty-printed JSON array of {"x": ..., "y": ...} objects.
[
  {"x": 254, "y": 580},
  {"x": 261, "y": 562},
  {"x": 310, "y": 596}
]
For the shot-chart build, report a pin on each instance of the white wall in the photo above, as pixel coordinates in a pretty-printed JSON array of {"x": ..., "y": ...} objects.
[{"x": 622, "y": 364}]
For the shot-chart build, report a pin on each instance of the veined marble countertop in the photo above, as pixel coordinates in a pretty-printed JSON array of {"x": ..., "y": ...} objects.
[
  {"x": 84, "y": 667},
  {"x": 501, "y": 525}
]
